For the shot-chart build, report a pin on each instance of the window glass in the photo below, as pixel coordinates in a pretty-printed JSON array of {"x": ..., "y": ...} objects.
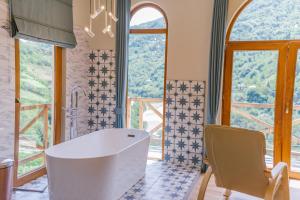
[
  {"x": 146, "y": 74},
  {"x": 268, "y": 20},
  {"x": 147, "y": 18}
]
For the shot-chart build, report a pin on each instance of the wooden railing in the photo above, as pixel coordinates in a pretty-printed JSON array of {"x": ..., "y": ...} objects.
[
  {"x": 268, "y": 128},
  {"x": 145, "y": 103},
  {"x": 44, "y": 109}
]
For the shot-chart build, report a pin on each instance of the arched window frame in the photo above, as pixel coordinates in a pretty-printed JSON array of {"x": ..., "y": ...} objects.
[
  {"x": 150, "y": 31},
  {"x": 134, "y": 10},
  {"x": 234, "y": 19},
  {"x": 281, "y": 103}
]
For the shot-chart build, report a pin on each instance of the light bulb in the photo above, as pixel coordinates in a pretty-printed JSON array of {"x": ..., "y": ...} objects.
[
  {"x": 97, "y": 12},
  {"x": 102, "y": 8},
  {"x": 105, "y": 30},
  {"x": 89, "y": 32},
  {"x": 94, "y": 15},
  {"x": 111, "y": 34},
  {"x": 112, "y": 16}
]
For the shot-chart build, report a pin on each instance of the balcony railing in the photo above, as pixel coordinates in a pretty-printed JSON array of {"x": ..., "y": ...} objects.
[
  {"x": 268, "y": 129},
  {"x": 26, "y": 142},
  {"x": 147, "y": 114}
]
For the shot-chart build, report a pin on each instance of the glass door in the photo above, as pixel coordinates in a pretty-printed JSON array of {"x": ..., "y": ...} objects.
[
  {"x": 291, "y": 134},
  {"x": 295, "y": 140},
  {"x": 253, "y": 92},
  {"x": 34, "y": 105},
  {"x": 262, "y": 92}
]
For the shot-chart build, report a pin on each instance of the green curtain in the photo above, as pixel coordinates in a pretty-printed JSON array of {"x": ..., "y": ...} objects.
[
  {"x": 122, "y": 40},
  {"x": 49, "y": 21},
  {"x": 216, "y": 59}
]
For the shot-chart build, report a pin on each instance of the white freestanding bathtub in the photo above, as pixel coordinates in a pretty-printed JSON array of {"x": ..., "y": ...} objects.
[{"x": 99, "y": 166}]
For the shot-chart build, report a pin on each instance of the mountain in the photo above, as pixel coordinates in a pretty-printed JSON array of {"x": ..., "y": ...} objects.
[{"x": 146, "y": 62}]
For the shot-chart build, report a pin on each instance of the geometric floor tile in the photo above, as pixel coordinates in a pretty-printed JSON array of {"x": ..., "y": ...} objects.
[{"x": 162, "y": 181}]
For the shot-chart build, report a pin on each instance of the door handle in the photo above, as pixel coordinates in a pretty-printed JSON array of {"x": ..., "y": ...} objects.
[
  {"x": 287, "y": 108},
  {"x": 17, "y": 100}
]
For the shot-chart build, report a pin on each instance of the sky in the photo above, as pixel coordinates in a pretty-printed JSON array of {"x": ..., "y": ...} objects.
[{"x": 145, "y": 15}]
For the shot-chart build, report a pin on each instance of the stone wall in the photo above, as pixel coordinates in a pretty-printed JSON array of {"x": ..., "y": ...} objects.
[
  {"x": 77, "y": 65},
  {"x": 76, "y": 73},
  {"x": 7, "y": 86}
]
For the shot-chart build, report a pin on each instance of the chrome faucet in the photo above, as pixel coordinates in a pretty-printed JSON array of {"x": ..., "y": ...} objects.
[
  {"x": 75, "y": 90},
  {"x": 73, "y": 110}
]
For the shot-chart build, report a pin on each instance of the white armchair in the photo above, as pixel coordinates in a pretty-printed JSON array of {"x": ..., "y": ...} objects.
[{"x": 236, "y": 157}]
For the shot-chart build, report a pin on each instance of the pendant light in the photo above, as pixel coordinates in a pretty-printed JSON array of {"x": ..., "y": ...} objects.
[
  {"x": 109, "y": 13},
  {"x": 88, "y": 30}
]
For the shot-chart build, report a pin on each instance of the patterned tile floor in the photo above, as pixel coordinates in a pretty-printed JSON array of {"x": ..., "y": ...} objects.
[{"x": 162, "y": 181}]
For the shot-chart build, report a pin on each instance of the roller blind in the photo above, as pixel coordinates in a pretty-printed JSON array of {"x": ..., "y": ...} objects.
[{"x": 49, "y": 21}]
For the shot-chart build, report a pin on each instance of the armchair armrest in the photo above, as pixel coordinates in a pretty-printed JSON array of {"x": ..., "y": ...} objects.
[
  {"x": 278, "y": 176},
  {"x": 276, "y": 171}
]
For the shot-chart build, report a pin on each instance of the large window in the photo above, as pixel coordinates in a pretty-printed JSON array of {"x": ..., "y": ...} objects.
[
  {"x": 262, "y": 73},
  {"x": 146, "y": 73},
  {"x": 38, "y": 80}
]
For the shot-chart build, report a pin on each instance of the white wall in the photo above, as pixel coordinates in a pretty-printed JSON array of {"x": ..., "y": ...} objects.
[
  {"x": 189, "y": 34},
  {"x": 234, "y": 5}
]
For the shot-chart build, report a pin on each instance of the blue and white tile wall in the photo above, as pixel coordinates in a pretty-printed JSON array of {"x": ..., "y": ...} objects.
[
  {"x": 102, "y": 91},
  {"x": 184, "y": 115}
]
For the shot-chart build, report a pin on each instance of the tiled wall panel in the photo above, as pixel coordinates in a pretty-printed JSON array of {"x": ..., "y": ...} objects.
[
  {"x": 102, "y": 90},
  {"x": 184, "y": 117}
]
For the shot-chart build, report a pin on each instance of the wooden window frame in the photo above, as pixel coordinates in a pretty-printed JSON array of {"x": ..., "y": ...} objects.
[
  {"x": 57, "y": 113},
  {"x": 284, "y": 85},
  {"x": 154, "y": 31}
]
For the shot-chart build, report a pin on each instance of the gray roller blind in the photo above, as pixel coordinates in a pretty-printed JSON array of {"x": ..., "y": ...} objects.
[{"x": 48, "y": 21}]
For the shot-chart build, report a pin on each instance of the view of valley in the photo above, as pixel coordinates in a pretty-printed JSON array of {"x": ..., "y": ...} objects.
[
  {"x": 36, "y": 73},
  {"x": 146, "y": 81}
]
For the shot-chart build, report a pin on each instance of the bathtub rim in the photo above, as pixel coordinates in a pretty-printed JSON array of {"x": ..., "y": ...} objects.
[{"x": 147, "y": 137}]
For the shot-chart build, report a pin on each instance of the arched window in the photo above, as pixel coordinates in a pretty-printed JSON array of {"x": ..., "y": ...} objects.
[
  {"x": 146, "y": 73},
  {"x": 262, "y": 76}
]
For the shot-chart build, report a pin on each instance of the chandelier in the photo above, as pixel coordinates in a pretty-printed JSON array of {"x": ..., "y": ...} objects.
[{"x": 108, "y": 9}]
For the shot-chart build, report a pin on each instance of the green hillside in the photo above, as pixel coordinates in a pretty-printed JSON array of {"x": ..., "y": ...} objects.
[
  {"x": 146, "y": 62},
  {"x": 36, "y": 66},
  {"x": 255, "y": 72},
  {"x": 36, "y": 72}
]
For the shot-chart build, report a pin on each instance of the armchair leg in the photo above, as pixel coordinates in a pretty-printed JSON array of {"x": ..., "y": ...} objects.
[
  {"x": 227, "y": 194},
  {"x": 204, "y": 184}
]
